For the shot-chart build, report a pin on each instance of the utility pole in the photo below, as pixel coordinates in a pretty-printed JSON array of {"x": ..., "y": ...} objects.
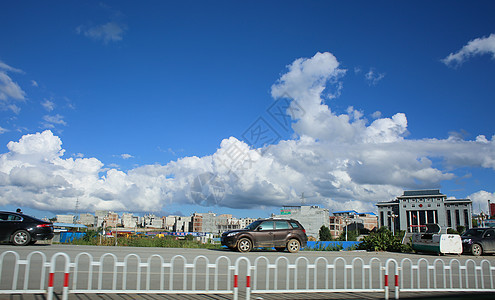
[
  {"x": 75, "y": 210},
  {"x": 303, "y": 200}
]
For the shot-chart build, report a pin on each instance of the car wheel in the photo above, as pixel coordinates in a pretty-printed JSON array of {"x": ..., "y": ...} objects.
[
  {"x": 21, "y": 238},
  {"x": 280, "y": 249},
  {"x": 476, "y": 249},
  {"x": 244, "y": 245},
  {"x": 293, "y": 245}
]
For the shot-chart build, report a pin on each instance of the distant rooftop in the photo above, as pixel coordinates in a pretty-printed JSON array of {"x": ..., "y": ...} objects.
[{"x": 422, "y": 193}]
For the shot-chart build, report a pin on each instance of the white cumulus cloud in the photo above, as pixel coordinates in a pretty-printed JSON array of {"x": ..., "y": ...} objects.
[
  {"x": 478, "y": 46},
  {"x": 340, "y": 161}
]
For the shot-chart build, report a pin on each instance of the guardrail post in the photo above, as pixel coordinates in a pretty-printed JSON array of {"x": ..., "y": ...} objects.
[
  {"x": 51, "y": 278},
  {"x": 236, "y": 278},
  {"x": 396, "y": 278}
]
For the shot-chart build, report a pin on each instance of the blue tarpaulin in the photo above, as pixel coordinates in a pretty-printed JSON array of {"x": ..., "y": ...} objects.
[
  {"x": 332, "y": 244},
  {"x": 67, "y": 237}
]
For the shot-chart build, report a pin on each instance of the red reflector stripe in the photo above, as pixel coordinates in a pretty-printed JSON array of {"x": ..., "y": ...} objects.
[
  {"x": 396, "y": 280},
  {"x": 50, "y": 280},
  {"x": 236, "y": 282},
  {"x": 66, "y": 280},
  {"x": 386, "y": 280},
  {"x": 248, "y": 281}
]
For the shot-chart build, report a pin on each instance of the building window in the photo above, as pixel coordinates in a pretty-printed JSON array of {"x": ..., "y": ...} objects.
[
  {"x": 457, "y": 218},
  {"x": 449, "y": 219},
  {"x": 466, "y": 218},
  {"x": 381, "y": 219}
]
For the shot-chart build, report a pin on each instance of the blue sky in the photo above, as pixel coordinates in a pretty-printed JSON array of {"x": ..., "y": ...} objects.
[{"x": 136, "y": 106}]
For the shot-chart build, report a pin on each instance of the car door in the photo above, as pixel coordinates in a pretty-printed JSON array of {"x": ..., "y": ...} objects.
[
  {"x": 263, "y": 234},
  {"x": 280, "y": 233},
  {"x": 4, "y": 227},
  {"x": 489, "y": 240},
  {"x": 8, "y": 224}
]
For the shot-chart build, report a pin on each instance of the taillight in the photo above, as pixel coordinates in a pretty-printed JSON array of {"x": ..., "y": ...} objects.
[
  {"x": 44, "y": 225},
  {"x": 304, "y": 230}
]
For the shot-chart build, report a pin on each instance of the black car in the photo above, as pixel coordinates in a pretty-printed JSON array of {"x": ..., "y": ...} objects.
[
  {"x": 21, "y": 230},
  {"x": 478, "y": 241},
  {"x": 279, "y": 233}
]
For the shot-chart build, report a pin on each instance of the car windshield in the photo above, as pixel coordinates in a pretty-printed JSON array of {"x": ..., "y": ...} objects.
[
  {"x": 253, "y": 225},
  {"x": 474, "y": 232}
]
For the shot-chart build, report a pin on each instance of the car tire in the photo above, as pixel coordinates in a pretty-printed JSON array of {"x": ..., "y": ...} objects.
[
  {"x": 244, "y": 245},
  {"x": 476, "y": 249},
  {"x": 280, "y": 249},
  {"x": 293, "y": 246},
  {"x": 21, "y": 238}
]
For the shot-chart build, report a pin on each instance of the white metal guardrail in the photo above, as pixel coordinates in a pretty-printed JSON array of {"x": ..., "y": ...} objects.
[{"x": 154, "y": 275}]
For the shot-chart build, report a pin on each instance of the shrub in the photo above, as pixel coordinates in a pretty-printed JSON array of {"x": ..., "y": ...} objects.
[{"x": 384, "y": 240}]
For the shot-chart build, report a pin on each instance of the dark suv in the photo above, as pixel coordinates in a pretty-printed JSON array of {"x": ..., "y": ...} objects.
[
  {"x": 279, "y": 233},
  {"x": 478, "y": 241}
]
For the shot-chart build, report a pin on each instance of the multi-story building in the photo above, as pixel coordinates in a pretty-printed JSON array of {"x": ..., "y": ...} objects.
[
  {"x": 169, "y": 223},
  {"x": 66, "y": 219},
  {"x": 112, "y": 219},
  {"x": 227, "y": 222},
  {"x": 351, "y": 220},
  {"x": 310, "y": 217},
  {"x": 414, "y": 209},
  {"x": 209, "y": 222},
  {"x": 88, "y": 220},
  {"x": 100, "y": 218},
  {"x": 336, "y": 226},
  {"x": 151, "y": 221},
  {"x": 129, "y": 220},
  {"x": 197, "y": 222},
  {"x": 183, "y": 224}
]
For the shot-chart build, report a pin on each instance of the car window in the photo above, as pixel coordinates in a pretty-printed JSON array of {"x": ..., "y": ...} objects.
[
  {"x": 294, "y": 225},
  {"x": 281, "y": 225},
  {"x": 490, "y": 234},
  {"x": 266, "y": 226},
  {"x": 3, "y": 217},
  {"x": 253, "y": 225},
  {"x": 473, "y": 233},
  {"x": 14, "y": 218}
]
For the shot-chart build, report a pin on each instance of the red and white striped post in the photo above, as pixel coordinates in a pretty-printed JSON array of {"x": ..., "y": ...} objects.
[
  {"x": 396, "y": 277},
  {"x": 248, "y": 278},
  {"x": 51, "y": 276}
]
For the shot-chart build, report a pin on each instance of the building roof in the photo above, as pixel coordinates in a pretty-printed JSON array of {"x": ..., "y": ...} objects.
[
  {"x": 70, "y": 225},
  {"x": 346, "y": 212},
  {"x": 422, "y": 193},
  {"x": 368, "y": 213}
]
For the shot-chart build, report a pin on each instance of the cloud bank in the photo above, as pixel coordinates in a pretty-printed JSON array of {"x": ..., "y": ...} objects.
[{"x": 340, "y": 161}]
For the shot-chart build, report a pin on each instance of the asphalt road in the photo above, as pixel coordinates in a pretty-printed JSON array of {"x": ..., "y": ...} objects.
[{"x": 261, "y": 281}]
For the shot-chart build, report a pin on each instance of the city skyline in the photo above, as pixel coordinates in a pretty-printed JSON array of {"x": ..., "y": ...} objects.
[{"x": 241, "y": 108}]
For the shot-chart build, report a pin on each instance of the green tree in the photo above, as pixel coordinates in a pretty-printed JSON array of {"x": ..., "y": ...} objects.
[
  {"x": 325, "y": 234},
  {"x": 351, "y": 235}
]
